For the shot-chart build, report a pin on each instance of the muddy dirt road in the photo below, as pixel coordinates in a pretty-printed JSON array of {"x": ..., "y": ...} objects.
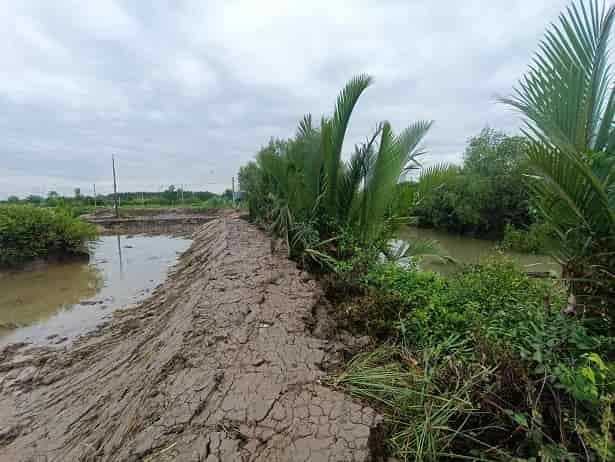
[{"x": 217, "y": 365}]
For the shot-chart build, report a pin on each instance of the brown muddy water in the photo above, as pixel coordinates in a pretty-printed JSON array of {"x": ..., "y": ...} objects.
[
  {"x": 53, "y": 303},
  {"x": 464, "y": 249}
]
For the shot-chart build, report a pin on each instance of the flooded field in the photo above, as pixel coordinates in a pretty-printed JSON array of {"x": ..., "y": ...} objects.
[
  {"x": 466, "y": 249},
  {"x": 56, "y": 302}
]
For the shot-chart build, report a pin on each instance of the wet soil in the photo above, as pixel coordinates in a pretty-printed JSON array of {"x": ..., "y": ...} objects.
[
  {"x": 218, "y": 365},
  {"x": 175, "y": 221}
]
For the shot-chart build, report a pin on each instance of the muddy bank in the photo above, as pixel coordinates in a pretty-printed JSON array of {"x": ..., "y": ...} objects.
[
  {"x": 175, "y": 221},
  {"x": 216, "y": 365}
]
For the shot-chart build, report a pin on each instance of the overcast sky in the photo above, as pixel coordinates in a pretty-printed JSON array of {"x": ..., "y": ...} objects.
[{"x": 185, "y": 92}]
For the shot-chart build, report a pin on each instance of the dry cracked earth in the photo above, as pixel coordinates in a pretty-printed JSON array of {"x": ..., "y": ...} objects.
[{"x": 218, "y": 365}]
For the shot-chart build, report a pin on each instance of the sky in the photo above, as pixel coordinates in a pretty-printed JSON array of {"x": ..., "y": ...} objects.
[{"x": 187, "y": 91}]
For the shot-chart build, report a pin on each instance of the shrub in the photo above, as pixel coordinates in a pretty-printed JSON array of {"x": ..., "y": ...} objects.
[
  {"x": 423, "y": 307},
  {"x": 529, "y": 240},
  {"x": 505, "y": 375},
  {"x": 28, "y": 233}
]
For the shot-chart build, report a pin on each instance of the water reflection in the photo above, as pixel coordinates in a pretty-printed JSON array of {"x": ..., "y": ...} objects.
[
  {"x": 119, "y": 253},
  {"x": 466, "y": 249},
  {"x": 68, "y": 299}
]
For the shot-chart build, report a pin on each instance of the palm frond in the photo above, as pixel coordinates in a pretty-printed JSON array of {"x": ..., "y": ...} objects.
[
  {"x": 434, "y": 177},
  {"x": 394, "y": 154},
  {"x": 563, "y": 95},
  {"x": 568, "y": 102},
  {"x": 409, "y": 140},
  {"x": 334, "y": 131}
]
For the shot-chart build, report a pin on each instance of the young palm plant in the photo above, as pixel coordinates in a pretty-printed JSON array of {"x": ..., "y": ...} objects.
[
  {"x": 302, "y": 188},
  {"x": 567, "y": 99}
]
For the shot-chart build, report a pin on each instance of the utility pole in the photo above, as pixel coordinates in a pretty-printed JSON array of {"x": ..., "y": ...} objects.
[
  {"x": 117, "y": 211},
  {"x": 182, "y": 186},
  {"x": 233, "y": 183},
  {"x": 94, "y": 186}
]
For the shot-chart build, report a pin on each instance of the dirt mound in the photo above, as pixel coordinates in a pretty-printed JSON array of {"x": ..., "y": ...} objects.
[
  {"x": 152, "y": 221},
  {"x": 216, "y": 366}
]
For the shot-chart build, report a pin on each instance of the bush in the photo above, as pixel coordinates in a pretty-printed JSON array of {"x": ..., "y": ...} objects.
[
  {"x": 528, "y": 240},
  {"x": 422, "y": 307},
  {"x": 504, "y": 374},
  {"x": 28, "y": 233}
]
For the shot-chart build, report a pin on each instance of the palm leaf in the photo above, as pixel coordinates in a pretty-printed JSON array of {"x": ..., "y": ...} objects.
[
  {"x": 568, "y": 103},
  {"x": 334, "y": 131},
  {"x": 393, "y": 156}
]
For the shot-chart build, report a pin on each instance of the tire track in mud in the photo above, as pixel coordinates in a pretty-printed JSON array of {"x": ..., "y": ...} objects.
[{"x": 217, "y": 365}]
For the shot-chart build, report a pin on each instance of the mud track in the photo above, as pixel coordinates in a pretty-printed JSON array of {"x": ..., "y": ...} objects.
[{"x": 217, "y": 365}]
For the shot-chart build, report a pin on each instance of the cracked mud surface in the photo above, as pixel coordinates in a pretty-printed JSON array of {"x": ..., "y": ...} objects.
[{"x": 217, "y": 365}]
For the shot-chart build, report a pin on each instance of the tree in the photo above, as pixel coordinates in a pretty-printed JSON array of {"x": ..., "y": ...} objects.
[
  {"x": 567, "y": 100},
  {"x": 486, "y": 194},
  {"x": 170, "y": 194},
  {"x": 77, "y": 193},
  {"x": 13, "y": 199},
  {"x": 493, "y": 153},
  {"x": 34, "y": 199}
]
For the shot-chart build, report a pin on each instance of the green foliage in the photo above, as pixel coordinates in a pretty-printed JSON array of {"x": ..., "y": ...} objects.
[
  {"x": 503, "y": 360},
  {"x": 28, "y": 233},
  {"x": 567, "y": 99},
  {"x": 534, "y": 239},
  {"x": 214, "y": 202},
  {"x": 303, "y": 183},
  {"x": 428, "y": 402},
  {"x": 172, "y": 196},
  {"x": 485, "y": 194},
  {"x": 404, "y": 197},
  {"x": 425, "y": 308},
  {"x": 502, "y": 372},
  {"x": 493, "y": 154},
  {"x": 587, "y": 381},
  {"x": 411, "y": 287}
]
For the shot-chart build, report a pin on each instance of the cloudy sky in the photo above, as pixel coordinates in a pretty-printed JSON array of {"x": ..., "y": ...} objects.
[{"x": 186, "y": 91}]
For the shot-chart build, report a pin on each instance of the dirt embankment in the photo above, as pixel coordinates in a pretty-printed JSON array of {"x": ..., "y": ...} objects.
[
  {"x": 216, "y": 366},
  {"x": 152, "y": 221}
]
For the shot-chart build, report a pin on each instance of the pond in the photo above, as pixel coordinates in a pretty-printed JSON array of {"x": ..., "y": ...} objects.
[
  {"x": 466, "y": 249},
  {"x": 53, "y": 303}
]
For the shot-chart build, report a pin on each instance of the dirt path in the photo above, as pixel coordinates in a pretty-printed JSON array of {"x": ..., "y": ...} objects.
[{"x": 216, "y": 366}]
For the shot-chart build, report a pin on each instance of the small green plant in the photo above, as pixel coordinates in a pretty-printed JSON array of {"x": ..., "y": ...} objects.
[
  {"x": 426, "y": 308},
  {"x": 28, "y": 232},
  {"x": 530, "y": 240}
]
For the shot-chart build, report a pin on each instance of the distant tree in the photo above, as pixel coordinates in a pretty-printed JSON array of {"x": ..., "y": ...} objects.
[
  {"x": 77, "y": 193},
  {"x": 228, "y": 194},
  {"x": 13, "y": 199},
  {"x": 493, "y": 153},
  {"x": 170, "y": 195},
  {"x": 34, "y": 199},
  {"x": 487, "y": 193},
  {"x": 52, "y": 195}
]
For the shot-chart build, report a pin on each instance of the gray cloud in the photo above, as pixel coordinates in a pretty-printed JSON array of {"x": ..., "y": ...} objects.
[{"x": 187, "y": 91}]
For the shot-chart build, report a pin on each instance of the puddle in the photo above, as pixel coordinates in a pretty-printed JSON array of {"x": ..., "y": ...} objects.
[{"x": 56, "y": 302}]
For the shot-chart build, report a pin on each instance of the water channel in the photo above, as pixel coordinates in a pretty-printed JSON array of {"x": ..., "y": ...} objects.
[{"x": 53, "y": 303}]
